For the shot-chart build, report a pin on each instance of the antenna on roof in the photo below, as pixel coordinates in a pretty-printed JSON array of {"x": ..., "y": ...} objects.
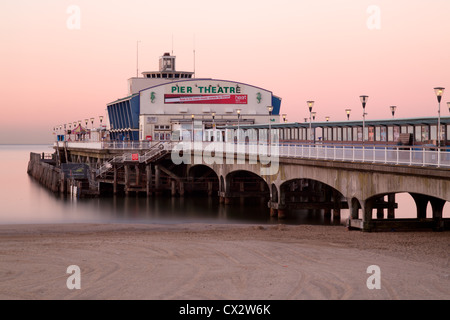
[
  {"x": 137, "y": 59},
  {"x": 172, "y": 44},
  {"x": 194, "y": 55}
]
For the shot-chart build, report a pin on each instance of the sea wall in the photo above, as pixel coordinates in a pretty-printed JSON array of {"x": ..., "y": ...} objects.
[{"x": 46, "y": 173}]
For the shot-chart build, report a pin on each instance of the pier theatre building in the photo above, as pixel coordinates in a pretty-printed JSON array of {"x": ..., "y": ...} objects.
[{"x": 169, "y": 104}]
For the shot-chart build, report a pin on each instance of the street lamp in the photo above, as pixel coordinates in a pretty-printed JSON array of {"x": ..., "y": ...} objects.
[
  {"x": 214, "y": 125},
  {"x": 92, "y": 123},
  {"x": 238, "y": 111},
  {"x": 270, "y": 109},
  {"x": 192, "y": 116},
  {"x": 448, "y": 105},
  {"x": 314, "y": 115},
  {"x": 439, "y": 92},
  {"x": 393, "y": 108},
  {"x": 310, "y": 106},
  {"x": 284, "y": 118},
  {"x": 348, "y": 113},
  {"x": 327, "y": 118},
  {"x": 364, "y": 101}
]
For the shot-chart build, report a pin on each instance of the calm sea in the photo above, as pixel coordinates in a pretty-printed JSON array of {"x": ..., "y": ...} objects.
[{"x": 24, "y": 201}]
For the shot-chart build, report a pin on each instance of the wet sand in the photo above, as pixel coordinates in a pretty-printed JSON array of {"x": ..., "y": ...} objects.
[{"x": 204, "y": 262}]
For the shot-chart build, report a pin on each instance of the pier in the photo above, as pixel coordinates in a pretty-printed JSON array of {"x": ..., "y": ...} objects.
[{"x": 306, "y": 177}]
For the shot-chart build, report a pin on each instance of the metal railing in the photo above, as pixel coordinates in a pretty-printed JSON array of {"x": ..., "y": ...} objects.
[{"x": 394, "y": 155}]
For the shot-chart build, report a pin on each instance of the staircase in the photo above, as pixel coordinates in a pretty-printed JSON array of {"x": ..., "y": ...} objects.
[{"x": 155, "y": 153}]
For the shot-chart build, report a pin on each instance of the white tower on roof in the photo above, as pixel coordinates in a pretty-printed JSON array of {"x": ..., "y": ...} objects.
[{"x": 167, "y": 73}]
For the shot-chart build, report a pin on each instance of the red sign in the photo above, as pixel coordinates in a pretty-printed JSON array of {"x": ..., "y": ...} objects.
[
  {"x": 149, "y": 138},
  {"x": 135, "y": 157},
  {"x": 206, "y": 98}
]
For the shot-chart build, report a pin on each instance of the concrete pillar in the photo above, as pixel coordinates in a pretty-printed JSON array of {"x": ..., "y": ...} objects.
[
  {"x": 336, "y": 207},
  {"x": 421, "y": 204},
  {"x": 438, "y": 206},
  {"x": 367, "y": 207}
]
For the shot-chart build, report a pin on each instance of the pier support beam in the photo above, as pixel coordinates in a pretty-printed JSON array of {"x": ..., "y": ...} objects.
[
  {"x": 115, "y": 181},
  {"x": 391, "y": 207},
  {"x": 421, "y": 205},
  {"x": 157, "y": 179},
  {"x": 127, "y": 179},
  {"x": 149, "y": 175},
  {"x": 438, "y": 207}
]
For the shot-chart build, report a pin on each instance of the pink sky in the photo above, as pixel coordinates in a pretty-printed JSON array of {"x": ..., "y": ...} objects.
[{"x": 320, "y": 50}]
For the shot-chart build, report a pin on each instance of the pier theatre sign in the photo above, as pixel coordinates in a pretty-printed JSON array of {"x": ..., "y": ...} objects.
[{"x": 205, "y": 95}]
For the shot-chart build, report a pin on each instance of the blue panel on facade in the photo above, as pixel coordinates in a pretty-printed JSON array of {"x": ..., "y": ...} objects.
[
  {"x": 276, "y": 103},
  {"x": 124, "y": 117}
]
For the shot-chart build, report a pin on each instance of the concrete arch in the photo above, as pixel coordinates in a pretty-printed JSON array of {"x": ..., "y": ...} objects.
[
  {"x": 204, "y": 178},
  {"x": 245, "y": 184}
]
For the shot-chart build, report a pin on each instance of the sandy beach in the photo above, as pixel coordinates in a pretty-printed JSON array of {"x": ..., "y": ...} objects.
[{"x": 204, "y": 262}]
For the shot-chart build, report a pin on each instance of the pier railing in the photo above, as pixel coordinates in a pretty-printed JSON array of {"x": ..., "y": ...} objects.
[{"x": 394, "y": 155}]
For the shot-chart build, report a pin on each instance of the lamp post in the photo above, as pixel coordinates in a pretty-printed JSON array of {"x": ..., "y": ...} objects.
[
  {"x": 238, "y": 111},
  {"x": 214, "y": 125},
  {"x": 192, "y": 116},
  {"x": 347, "y": 111},
  {"x": 270, "y": 109},
  {"x": 310, "y": 106},
  {"x": 364, "y": 101},
  {"x": 327, "y": 118},
  {"x": 284, "y": 118},
  {"x": 393, "y": 108},
  {"x": 439, "y": 92}
]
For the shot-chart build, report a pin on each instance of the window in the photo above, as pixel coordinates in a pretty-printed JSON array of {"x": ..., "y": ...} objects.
[
  {"x": 396, "y": 133},
  {"x": 371, "y": 134},
  {"x": 432, "y": 133},
  {"x": 383, "y": 134},
  {"x": 377, "y": 133},
  {"x": 390, "y": 133},
  {"x": 418, "y": 130}
]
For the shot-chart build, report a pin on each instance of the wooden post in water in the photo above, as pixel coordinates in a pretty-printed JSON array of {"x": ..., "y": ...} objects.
[
  {"x": 157, "y": 179},
  {"x": 115, "y": 180},
  {"x": 148, "y": 171},
  {"x": 127, "y": 179},
  {"x": 391, "y": 207}
]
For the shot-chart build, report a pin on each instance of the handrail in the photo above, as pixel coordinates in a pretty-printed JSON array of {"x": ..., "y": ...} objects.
[{"x": 394, "y": 155}]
